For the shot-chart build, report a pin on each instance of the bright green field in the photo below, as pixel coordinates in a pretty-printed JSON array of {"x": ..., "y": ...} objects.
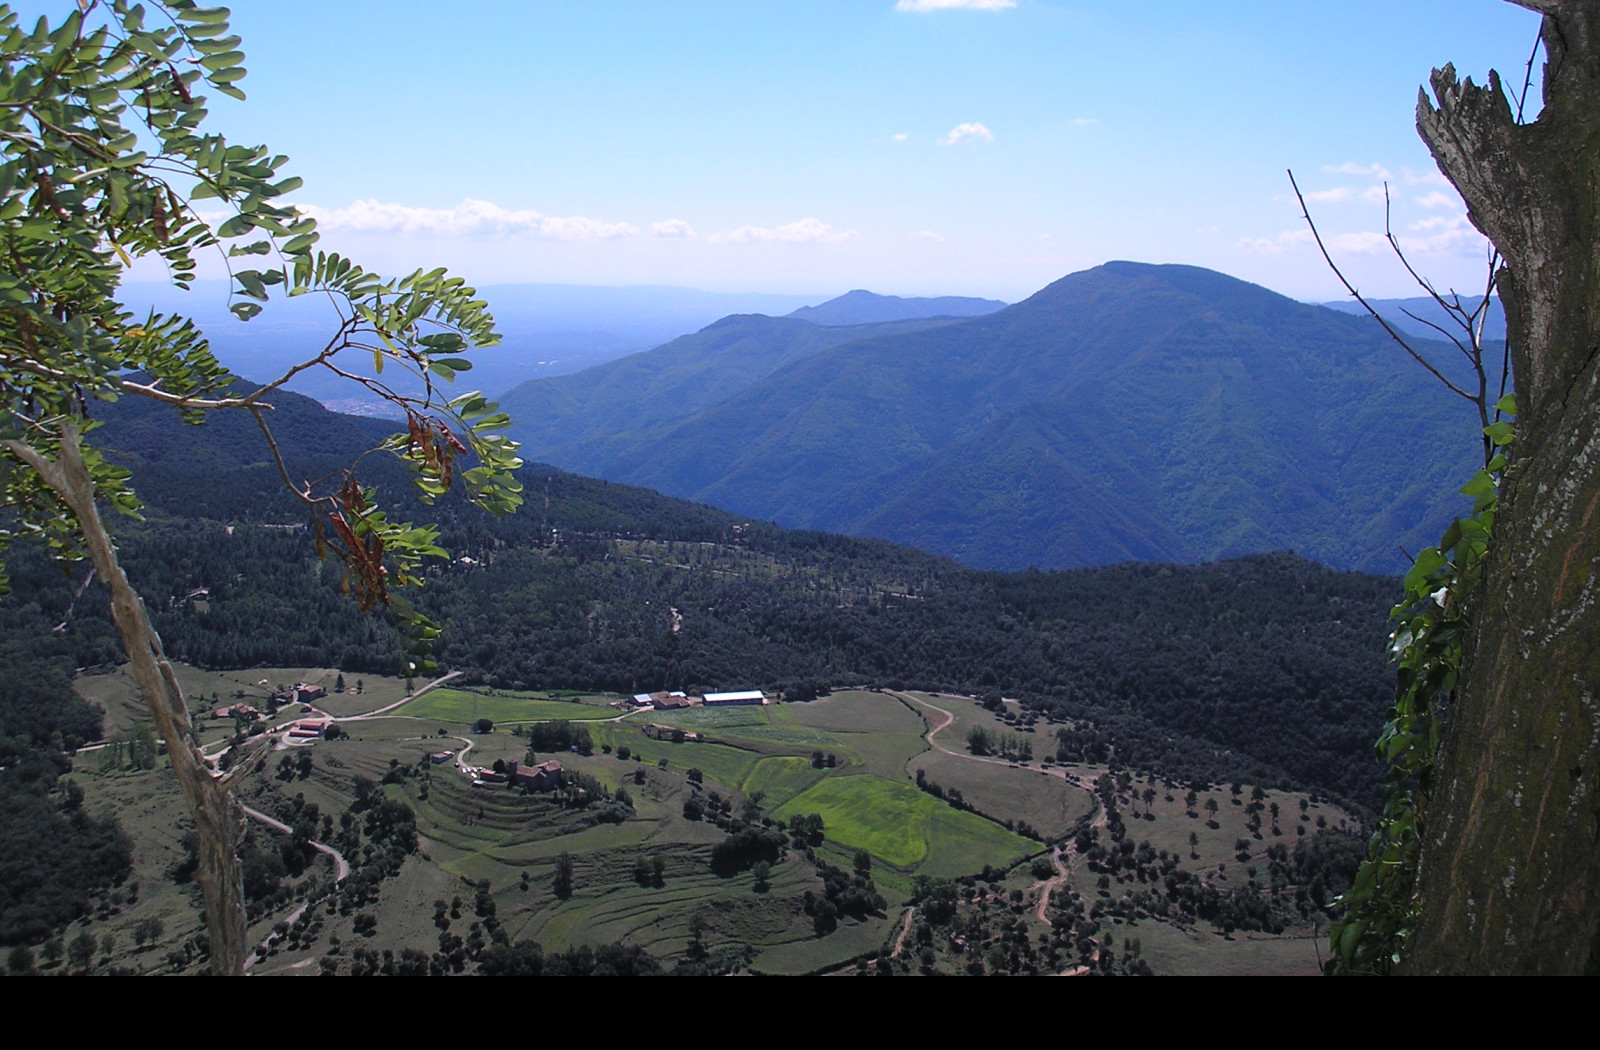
[
  {"x": 459, "y": 705},
  {"x": 898, "y": 824},
  {"x": 781, "y": 778}
]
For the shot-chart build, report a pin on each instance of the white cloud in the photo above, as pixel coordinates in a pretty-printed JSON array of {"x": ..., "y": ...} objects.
[
  {"x": 1364, "y": 243},
  {"x": 922, "y": 7},
  {"x": 899, "y": 136},
  {"x": 929, "y": 235},
  {"x": 1345, "y": 194},
  {"x": 1438, "y": 200},
  {"x": 1377, "y": 171},
  {"x": 671, "y": 228},
  {"x": 467, "y": 218},
  {"x": 973, "y": 132},
  {"x": 1441, "y": 235},
  {"x": 1274, "y": 245},
  {"x": 800, "y": 231},
  {"x": 1337, "y": 195},
  {"x": 1430, "y": 176}
]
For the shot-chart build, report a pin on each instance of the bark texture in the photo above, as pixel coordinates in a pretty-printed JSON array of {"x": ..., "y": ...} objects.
[
  {"x": 218, "y": 817},
  {"x": 1509, "y": 880}
]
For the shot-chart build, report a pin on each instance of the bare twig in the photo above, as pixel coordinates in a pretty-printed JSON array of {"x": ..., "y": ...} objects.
[{"x": 1404, "y": 345}]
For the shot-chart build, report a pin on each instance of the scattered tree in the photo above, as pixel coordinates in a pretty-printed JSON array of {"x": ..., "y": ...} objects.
[{"x": 564, "y": 874}]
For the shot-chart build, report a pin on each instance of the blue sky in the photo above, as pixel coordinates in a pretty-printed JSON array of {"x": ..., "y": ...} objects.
[{"x": 821, "y": 146}]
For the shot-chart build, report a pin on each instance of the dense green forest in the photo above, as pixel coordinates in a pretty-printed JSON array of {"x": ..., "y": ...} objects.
[
  {"x": 56, "y": 861},
  {"x": 1269, "y": 668}
]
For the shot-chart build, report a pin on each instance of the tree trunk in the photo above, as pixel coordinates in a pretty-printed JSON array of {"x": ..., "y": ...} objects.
[
  {"x": 1509, "y": 879},
  {"x": 218, "y": 818}
]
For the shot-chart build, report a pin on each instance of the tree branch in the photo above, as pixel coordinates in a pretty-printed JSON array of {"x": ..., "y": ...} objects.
[{"x": 1424, "y": 362}]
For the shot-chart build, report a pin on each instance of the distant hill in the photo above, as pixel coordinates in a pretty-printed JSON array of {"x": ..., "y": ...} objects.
[
  {"x": 694, "y": 372},
  {"x": 1129, "y": 411},
  {"x": 1414, "y": 316},
  {"x": 545, "y": 329},
  {"x": 863, "y": 307}
]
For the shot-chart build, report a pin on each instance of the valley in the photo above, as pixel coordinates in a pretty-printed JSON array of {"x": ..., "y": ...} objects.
[{"x": 943, "y": 880}]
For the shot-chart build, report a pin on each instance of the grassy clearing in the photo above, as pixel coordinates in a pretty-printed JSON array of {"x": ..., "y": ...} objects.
[
  {"x": 781, "y": 778},
  {"x": 961, "y": 844},
  {"x": 880, "y": 733},
  {"x": 906, "y": 828},
  {"x": 464, "y": 707},
  {"x": 1170, "y": 950},
  {"x": 726, "y": 765},
  {"x": 1048, "y": 803},
  {"x": 886, "y": 819},
  {"x": 701, "y": 718}
]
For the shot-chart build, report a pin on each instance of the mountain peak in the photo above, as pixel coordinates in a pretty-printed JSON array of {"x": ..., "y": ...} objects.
[{"x": 863, "y": 307}]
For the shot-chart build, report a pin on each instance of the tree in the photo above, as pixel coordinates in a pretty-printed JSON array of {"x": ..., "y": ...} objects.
[
  {"x": 102, "y": 156},
  {"x": 1509, "y": 879},
  {"x": 564, "y": 874},
  {"x": 80, "y": 952}
]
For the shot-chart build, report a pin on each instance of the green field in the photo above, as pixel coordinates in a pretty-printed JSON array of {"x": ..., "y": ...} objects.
[
  {"x": 1049, "y": 803},
  {"x": 900, "y": 825},
  {"x": 781, "y": 778},
  {"x": 465, "y": 707},
  {"x": 702, "y": 718},
  {"x": 512, "y": 841},
  {"x": 874, "y": 730}
]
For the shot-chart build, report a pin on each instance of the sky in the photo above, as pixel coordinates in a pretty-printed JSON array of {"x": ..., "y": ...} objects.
[{"x": 912, "y": 147}]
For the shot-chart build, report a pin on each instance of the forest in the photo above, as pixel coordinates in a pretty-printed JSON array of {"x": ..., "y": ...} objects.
[{"x": 1269, "y": 668}]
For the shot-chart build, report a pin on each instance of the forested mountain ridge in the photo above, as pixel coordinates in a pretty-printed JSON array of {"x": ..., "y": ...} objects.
[
  {"x": 578, "y": 416},
  {"x": 864, "y": 307},
  {"x": 1129, "y": 411},
  {"x": 1268, "y": 668}
]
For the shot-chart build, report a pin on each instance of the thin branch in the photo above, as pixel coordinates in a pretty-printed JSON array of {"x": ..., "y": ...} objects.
[
  {"x": 277, "y": 456},
  {"x": 1465, "y": 352},
  {"x": 1527, "y": 79},
  {"x": 184, "y": 400},
  {"x": 1453, "y": 309},
  {"x": 1424, "y": 362}
]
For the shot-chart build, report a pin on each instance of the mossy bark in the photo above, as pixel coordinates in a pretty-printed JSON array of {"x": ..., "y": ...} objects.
[{"x": 1509, "y": 880}]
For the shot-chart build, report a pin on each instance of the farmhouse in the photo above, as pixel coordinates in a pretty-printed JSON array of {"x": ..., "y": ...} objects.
[
  {"x": 542, "y": 777},
  {"x": 749, "y": 696},
  {"x": 660, "y": 699},
  {"x": 243, "y": 712}
]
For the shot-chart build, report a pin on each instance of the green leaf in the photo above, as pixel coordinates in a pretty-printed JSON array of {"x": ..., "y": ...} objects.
[{"x": 237, "y": 226}]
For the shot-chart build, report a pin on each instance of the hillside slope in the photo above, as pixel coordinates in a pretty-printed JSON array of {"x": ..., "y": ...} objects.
[{"x": 1131, "y": 410}]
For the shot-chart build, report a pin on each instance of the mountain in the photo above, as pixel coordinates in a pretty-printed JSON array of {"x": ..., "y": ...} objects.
[
  {"x": 1129, "y": 411},
  {"x": 671, "y": 382},
  {"x": 1417, "y": 316},
  {"x": 545, "y": 329},
  {"x": 863, "y": 307}
]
